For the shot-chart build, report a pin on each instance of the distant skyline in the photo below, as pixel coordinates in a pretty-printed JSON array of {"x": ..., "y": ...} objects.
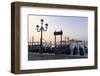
[{"x": 72, "y": 26}]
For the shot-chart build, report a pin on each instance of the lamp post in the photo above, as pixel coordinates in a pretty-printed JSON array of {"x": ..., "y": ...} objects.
[{"x": 41, "y": 29}]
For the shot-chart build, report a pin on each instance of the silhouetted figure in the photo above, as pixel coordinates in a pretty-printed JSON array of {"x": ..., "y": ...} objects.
[{"x": 75, "y": 50}]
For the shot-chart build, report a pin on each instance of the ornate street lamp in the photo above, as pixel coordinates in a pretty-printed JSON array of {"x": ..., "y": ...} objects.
[{"x": 41, "y": 29}]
